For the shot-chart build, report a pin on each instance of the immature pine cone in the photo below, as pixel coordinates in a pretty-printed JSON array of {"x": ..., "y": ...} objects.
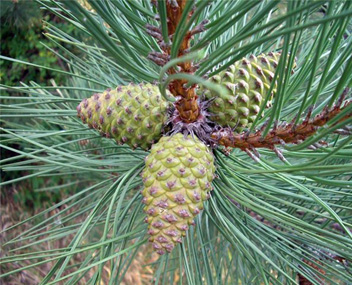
[
  {"x": 177, "y": 177},
  {"x": 248, "y": 82},
  {"x": 132, "y": 114}
]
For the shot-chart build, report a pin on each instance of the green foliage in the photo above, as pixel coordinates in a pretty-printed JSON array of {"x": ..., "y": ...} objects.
[
  {"x": 20, "y": 14},
  {"x": 305, "y": 202},
  {"x": 25, "y": 45},
  {"x": 23, "y": 37}
]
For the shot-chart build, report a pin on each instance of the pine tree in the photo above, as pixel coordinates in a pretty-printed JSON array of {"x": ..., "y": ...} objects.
[{"x": 280, "y": 208}]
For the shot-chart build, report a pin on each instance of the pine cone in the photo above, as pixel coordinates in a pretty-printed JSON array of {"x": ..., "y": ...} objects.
[
  {"x": 248, "y": 82},
  {"x": 177, "y": 178},
  {"x": 133, "y": 114}
]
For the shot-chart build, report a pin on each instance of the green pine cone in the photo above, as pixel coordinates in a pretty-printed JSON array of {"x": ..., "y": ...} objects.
[
  {"x": 248, "y": 82},
  {"x": 132, "y": 114},
  {"x": 177, "y": 177}
]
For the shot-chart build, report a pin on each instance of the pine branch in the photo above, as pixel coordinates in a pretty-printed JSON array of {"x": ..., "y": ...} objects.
[
  {"x": 284, "y": 222},
  {"x": 187, "y": 105},
  {"x": 283, "y": 133}
]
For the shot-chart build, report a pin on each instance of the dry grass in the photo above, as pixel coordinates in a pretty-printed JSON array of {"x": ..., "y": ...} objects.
[{"x": 139, "y": 272}]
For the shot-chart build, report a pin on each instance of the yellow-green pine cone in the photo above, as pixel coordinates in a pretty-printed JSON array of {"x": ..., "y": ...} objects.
[
  {"x": 177, "y": 178},
  {"x": 132, "y": 114},
  {"x": 248, "y": 82}
]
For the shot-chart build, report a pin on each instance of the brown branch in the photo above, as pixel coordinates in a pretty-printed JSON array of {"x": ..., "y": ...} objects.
[
  {"x": 283, "y": 133},
  {"x": 187, "y": 104}
]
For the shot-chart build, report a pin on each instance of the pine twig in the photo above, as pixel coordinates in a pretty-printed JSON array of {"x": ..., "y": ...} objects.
[
  {"x": 283, "y": 133},
  {"x": 187, "y": 104}
]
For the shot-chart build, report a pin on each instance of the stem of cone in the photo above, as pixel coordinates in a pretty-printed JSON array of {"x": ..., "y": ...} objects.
[{"x": 187, "y": 105}]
